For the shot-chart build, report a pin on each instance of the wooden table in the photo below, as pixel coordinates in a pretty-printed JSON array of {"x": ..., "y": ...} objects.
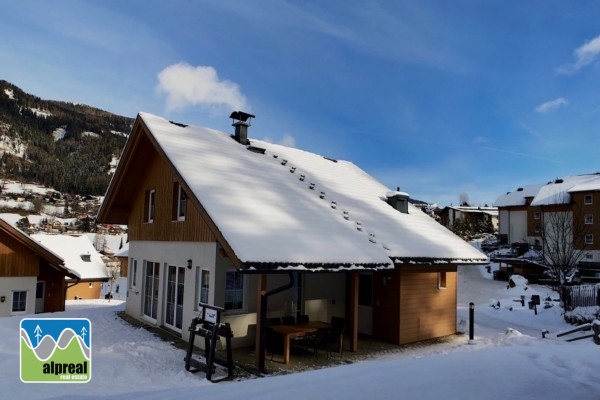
[{"x": 295, "y": 331}]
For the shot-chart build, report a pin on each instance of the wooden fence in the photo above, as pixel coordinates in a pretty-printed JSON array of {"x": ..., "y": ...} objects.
[{"x": 581, "y": 296}]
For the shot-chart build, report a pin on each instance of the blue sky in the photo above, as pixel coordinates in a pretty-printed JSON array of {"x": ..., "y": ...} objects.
[{"x": 440, "y": 98}]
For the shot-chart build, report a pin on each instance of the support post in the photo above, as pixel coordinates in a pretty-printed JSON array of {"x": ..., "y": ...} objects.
[
  {"x": 471, "y": 322},
  {"x": 352, "y": 311}
]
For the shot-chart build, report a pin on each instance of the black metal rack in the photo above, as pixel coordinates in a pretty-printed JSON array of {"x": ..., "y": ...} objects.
[{"x": 208, "y": 325}]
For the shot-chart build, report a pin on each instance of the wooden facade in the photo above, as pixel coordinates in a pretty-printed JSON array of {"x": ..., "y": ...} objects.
[
  {"x": 410, "y": 305},
  {"x": 161, "y": 179}
]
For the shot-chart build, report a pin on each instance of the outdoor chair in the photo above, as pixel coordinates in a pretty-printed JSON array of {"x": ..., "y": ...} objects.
[
  {"x": 336, "y": 334},
  {"x": 317, "y": 341},
  {"x": 302, "y": 319},
  {"x": 274, "y": 341}
]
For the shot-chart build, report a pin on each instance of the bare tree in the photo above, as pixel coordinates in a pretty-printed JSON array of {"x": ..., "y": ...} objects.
[
  {"x": 113, "y": 274},
  {"x": 563, "y": 245}
]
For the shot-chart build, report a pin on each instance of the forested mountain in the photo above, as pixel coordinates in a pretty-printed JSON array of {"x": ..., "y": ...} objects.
[{"x": 69, "y": 147}]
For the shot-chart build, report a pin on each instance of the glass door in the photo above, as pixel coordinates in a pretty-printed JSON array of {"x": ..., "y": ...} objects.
[
  {"x": 151, "y": 274},
  {"x": 174, "y": 301}
]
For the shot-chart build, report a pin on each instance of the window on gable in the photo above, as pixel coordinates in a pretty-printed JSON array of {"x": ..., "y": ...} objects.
[
  {"x": 587, "y": 199},
  {"x": 536, "y": 215},
  {"x": 589, "y": 238},
  {"x": 442, "y": 280},
  {"x": 19, "y": 301},
  {"x": 149, "y": 205},
  {"x": 179, "y": 203},
  {"x": 589, "y": 219},
  {"x": 234, "y": 291}
]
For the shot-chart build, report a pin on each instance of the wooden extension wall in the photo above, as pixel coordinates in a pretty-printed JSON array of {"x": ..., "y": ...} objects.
[
  {"x": 161, "y": 179},
  {"x": 55, "y": 288},
  {"x": 409, "y": 306},
  {"x": 16, "y": 259}
]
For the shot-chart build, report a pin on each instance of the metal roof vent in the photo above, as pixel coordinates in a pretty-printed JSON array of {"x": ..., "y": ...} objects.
[
  {"x": 86, "y": 257},
  {"x": 241, "y": 121},
  {"x": 398, "y": 200}
]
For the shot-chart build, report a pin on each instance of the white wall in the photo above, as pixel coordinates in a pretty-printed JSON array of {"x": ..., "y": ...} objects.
[
  {"x": 10, "y": 284},
  {"x": 170, "y": 253},
  {"x": 513, "y": 224}
]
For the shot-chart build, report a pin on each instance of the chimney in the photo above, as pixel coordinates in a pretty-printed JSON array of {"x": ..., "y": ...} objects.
[{"x": 241, "y": 121}]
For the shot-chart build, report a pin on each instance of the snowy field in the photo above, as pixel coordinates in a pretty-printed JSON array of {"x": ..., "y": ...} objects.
[{"x": 508, "y": 360}]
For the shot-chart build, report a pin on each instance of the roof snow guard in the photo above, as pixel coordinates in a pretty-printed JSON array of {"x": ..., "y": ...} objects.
[
  {"x": 431, "y": 261},
  {"x": 259, "y": 267}
]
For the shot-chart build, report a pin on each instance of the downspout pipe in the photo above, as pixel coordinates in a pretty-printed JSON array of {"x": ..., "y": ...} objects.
[{"x": 264, "y": 299}]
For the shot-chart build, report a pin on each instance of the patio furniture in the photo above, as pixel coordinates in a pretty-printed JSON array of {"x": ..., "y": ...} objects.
[
  {"x": 336, "y": 334},
  {"x": 290, "y": 331}
]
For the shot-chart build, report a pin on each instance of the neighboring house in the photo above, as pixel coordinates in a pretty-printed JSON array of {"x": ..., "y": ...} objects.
[
  {"x": 513, "y": 210},
  {"x": 483, "y": 215},
  {"x": 228, "y": 221},
  {"x": 32, "y": 277},
  {"x": 525, "y": 212},
  {"x": 80, "y": 256}
]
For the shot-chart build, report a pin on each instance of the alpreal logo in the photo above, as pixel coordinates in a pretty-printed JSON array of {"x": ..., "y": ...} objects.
[{"x": 56, "y": 350}]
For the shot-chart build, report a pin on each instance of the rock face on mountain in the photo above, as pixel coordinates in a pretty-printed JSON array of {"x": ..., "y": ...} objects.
[{"x": 70, "y": 147}]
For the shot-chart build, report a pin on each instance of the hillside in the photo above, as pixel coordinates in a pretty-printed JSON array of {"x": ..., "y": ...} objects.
[{"x": 69, "y": 147}]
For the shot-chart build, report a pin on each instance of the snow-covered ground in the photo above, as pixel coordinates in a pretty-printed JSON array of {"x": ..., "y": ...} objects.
[{"x": 508, "y": 360}]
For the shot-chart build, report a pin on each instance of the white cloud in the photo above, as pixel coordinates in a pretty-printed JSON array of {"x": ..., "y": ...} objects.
[
  {"x": 286, "y": 140},
  {"x": 584, "y": 55},
  {"x": 186, "y": 85},
  {"x": 551, "y": 105}
]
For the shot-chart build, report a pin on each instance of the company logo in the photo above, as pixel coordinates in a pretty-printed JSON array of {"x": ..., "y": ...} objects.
[{"x": 56, "y": 350}]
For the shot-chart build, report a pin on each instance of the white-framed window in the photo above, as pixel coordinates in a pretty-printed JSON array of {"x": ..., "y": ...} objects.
[
  {"x": 589, "y": 257},
  {"x": 132, "y": 273},
  {"x": 179, "y": 203},
  {"x": 202, "y": 286},
  {"x": 234, "y": 291},
  {"x": 442, "y": 280},
  {"x": 589, "y": 219},
  {"x": 537, "y": 215},
  {"x": 538, "y": 229},
  {"x": 19, "y": 301},
  {"x": 587, "y": 199},
  {"x": 149, "y": 205},
  {"x": 589, "y": 238}
]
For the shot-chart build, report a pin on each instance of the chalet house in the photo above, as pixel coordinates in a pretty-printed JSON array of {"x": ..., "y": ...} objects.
[
  {"x": 485, "y": 215},
  {"x": 79, "y": 255},
  {"x": 526, "y": 212},
  {"x": 32, "y": 277},
  {"x": 265, "y": 230}
]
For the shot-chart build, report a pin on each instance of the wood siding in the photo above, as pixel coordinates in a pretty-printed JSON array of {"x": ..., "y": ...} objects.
[
  {"x": 427, "y": 311},
  {"x": 161, "y": 179},
  {"x": 55, "y": 288},
  {"x": 17, "y": 260},
  {"x": 409, "y": 306},
  {"x": 83, "y": 290}
]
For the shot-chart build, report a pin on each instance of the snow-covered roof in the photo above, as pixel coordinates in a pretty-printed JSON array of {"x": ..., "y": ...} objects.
[
  {"x": 517, "y": 197},
  {"x": 293, "y": 208},
  {"x": 52, "y": 257},
  {"x": 74, "y": 250},
  {"x": 557, "y": 192}
]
